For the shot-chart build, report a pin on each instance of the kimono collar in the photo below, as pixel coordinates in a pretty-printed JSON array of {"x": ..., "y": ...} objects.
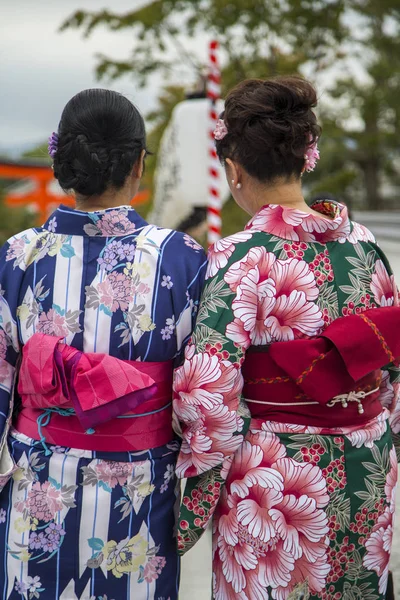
[
  {"x": 112, "y": 222},
  {"x": 297, "y": 225}
]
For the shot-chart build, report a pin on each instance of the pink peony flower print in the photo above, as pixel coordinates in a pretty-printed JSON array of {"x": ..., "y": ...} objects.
[
  {"x": 275, "y": 299},
  {"x": 394, "y": 418},
  {"x": 253, "y": 462},
  {"x": 16, "y": 250},
  {"x": 115, "y": 222},
  {"x": 3, "y": 344},
  {"x": 202, "y": 380},
  {"x": 105, "y": 292},
  {"x": 273, "y": 426},
  {"x": 44, "y": 501},
  {"x": 277, "y": 221},
  {"x": 391, "y": 480},
  {"x": 113, "y": 473},
  {"x": 236, "y": 332},
  {"x": 293, "y": 315},
  {"x": 294, "y": 275},
  {"x": 271, "y": 536},
  {"x": 387, "y": 394},
  {"x": 378, "y": 546},
  {"x": 303, "y": 479},
  {"x": 253, "y": 303},
  {"x": 122, "y": 290},
  {"x": 116, "y": 291},
  {"x": 206, "y": 397},
  {"x": 52, "y": 323},
  {"x": 383, "y": 286},
  {"x": 369, "y": 434},
  {"x": 256, "y": 257},
  {"x": 222, "y": 250},
  {"x": 360, "y": 234}
]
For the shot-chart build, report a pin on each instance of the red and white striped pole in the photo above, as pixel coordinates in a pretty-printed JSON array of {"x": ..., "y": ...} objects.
[{"x": 214, "y": 194}]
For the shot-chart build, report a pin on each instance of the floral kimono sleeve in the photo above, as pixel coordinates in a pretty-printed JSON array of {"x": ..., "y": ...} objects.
[
  {"x": 11, "y": 274},
  {"x": 207, "y": 396},
  {"x": 390, "y": 386}
]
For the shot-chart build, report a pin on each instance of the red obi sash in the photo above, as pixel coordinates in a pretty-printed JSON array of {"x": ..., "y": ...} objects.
[
  {"x": 310, "y": 381},
  {"x": 92, "y": 401}
]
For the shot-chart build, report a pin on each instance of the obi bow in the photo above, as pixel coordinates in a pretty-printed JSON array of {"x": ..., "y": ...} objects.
[
  {"x": 99, "y": 387},
  {"x": 348, "y": 350}
]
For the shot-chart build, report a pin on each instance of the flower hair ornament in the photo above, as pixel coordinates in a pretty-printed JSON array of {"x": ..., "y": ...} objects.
[
  {"x": 53, "y": 143},
  {"x": 220, "y": 130},
  {"x": 311, "y": 156}
]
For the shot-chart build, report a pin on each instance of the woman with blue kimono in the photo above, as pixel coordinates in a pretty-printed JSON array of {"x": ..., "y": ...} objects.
[{"x": 96, "y": 307}]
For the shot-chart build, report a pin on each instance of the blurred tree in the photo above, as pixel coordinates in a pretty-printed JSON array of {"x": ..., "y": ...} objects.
[
  {"x": 350, "y": 47},
  {"x": 12, "y": 220}
]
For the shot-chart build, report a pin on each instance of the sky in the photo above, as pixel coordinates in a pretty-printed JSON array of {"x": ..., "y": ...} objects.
[{"x": 41, "y": 68}]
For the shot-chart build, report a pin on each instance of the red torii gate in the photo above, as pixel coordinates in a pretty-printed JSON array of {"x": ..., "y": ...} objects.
[{"x": 42, "y": 197}]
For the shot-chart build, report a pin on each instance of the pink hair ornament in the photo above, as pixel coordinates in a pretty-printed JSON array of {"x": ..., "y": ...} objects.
[
  {"x": 220, "y": 130},
  {"x": 311, "y": 156}
]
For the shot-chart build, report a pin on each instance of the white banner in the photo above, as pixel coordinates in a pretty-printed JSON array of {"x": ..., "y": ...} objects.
[{"x": 181, "y": 178}]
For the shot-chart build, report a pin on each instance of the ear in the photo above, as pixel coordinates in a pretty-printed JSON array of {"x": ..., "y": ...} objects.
[
  {"x": 138, "y": 167},
  {"x": 233, "y": 172}
]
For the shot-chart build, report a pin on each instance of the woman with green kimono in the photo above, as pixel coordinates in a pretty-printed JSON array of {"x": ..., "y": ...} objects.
[{"x": 287, "y": 399}]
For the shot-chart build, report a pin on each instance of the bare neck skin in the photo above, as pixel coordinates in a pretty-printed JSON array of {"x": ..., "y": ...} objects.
[
  {"x": 253, "y": 194},
  {"x": 112, "y": 197}
]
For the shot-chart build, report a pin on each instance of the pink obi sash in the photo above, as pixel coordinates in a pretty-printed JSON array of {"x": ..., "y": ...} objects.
[{"x": 93, "y": 401}]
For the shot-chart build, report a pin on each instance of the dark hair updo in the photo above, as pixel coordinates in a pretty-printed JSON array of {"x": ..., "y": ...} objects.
[
  {"x": 100, "y": 137},
  {"x": 270, "y": 126}
]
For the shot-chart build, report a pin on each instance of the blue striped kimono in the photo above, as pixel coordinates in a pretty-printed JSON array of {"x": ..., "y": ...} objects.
[{"x": 76, "y": 524}]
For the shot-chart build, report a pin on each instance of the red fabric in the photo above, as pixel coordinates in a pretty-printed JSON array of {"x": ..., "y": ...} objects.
[
  {"x": 347, "y": 357},
  {"x": 99, "y": 387}
]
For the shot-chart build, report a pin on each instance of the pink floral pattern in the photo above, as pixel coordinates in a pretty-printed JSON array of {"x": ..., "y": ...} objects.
[
  {"x": 206, "y": 399},
  {"x": 114, "y": 292},
  {"x": 113, "y": 473},
  {"x": 383, "y": 286},
  {"x": 379, "y": 542},
  {"x": 52, "y": 323},
  {"x": 44, "y": 501},
  {"x": 271, "y": 527},
  {"x": 275, "y": 299},
  {"x": 115, "y": 222},
  {"x": 16, "y": 250},
  {"x": 222, "y": 250},
  {"x": 60, "y": 324},
  {"x": 296, "y": 225}
]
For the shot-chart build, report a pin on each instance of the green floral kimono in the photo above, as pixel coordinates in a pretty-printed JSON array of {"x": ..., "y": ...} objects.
[{"x": 297, "y": 508}]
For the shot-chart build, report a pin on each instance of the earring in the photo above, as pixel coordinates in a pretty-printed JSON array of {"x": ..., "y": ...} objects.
[{"x": 238, "y": 186}]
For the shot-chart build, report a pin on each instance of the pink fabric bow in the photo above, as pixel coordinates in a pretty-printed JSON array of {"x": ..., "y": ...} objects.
[{"x": 98, "y": 386}]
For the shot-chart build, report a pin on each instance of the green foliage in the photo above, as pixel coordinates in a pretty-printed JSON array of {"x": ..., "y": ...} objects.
[
  {"x": 355, "y": 42},
  {"x": 12, "y": 219}
]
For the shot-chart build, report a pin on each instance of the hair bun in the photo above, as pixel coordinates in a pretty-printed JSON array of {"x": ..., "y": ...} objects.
[
  {"x": 270, "y": 126},
  {"x": 100, "y": 137}
]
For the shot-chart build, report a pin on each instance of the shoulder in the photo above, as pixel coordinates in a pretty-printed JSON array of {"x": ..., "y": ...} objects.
[
  {"x": 15, "y": 250},
  {"x": 177, "y": 248},
  {"x": 360, "y": 233},
  {"x": 184, "y": 243}
]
